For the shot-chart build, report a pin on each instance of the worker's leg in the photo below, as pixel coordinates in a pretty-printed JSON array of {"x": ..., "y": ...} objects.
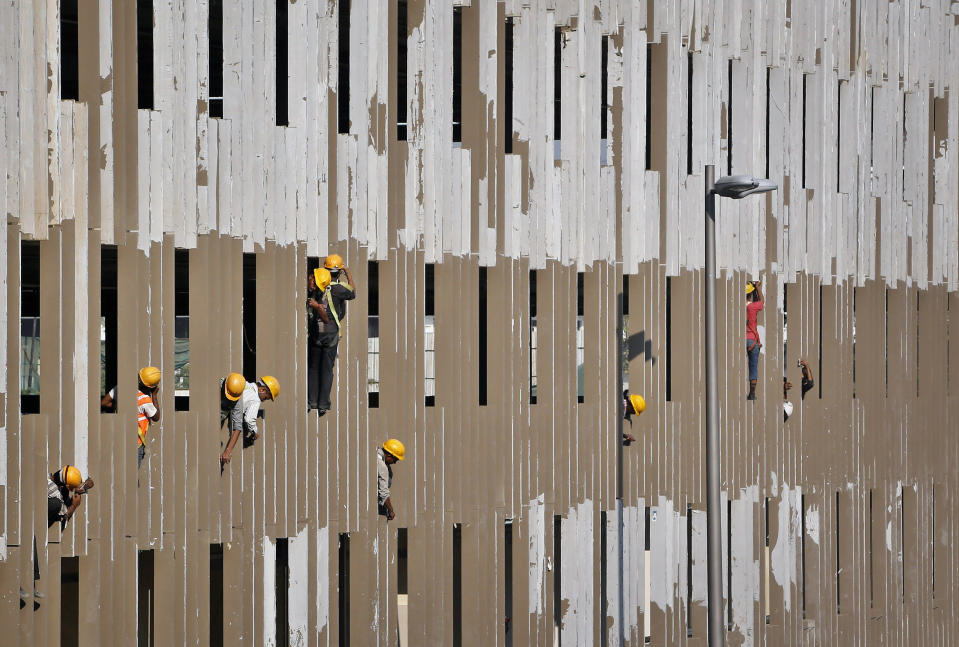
[
  {"x": 313, "y": 356},
  {"x": 141, "y": 453},
  {"x": 752, "y": 350},
  {"x": 328, "y": 348}
]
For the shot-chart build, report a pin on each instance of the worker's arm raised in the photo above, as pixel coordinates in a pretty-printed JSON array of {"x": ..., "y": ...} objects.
[
  {"x": 759, "y": 290},
  {"x": 349, "y": 278}
]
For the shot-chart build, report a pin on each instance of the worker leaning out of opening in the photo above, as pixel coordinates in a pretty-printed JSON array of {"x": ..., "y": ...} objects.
[
  {"x": 391, "y": 451},
  {"x": 754, "y": 303},
  {"x": 148, "y": 405},
  {"x": 240, "y": 403},
  {"x": 64, "y": 488},
  {"x": 336, "y": 285}
]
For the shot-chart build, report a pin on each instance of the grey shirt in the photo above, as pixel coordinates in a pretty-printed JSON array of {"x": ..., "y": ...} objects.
[{"x": 384, "y": 478}]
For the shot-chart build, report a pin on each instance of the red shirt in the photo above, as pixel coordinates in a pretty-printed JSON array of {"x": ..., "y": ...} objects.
[{"x": 752, "y": 309}]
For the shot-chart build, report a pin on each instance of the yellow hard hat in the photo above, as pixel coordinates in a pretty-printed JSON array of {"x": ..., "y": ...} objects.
[
  {"x": 71, "y": 476},
  {"x": 233, "y": 386},
  {"x": 150, "y": 376},
  {"x": 272, "y": 384},
  {"x": 322, "y": 277},
  {"x": 639, "y": 404},
  {"x": 750, "y": 287},
  {"x": 395, "y": 447},
  {"x": 333, "y": 262}
]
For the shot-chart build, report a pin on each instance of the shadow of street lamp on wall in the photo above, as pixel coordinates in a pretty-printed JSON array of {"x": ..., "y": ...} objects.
[{"x": 736, "y": 187}]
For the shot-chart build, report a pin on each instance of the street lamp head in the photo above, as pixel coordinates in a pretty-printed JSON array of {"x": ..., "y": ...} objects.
[{"x": 739, "y": 186}]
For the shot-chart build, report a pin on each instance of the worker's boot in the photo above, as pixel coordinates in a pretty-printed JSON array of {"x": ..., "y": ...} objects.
[{"x": 752, "y": 391}]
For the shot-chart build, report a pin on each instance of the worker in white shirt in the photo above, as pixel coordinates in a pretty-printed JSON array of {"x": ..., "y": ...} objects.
[
  {"x": 391, "y": 451},
  {"x": 246, "y": 397}
]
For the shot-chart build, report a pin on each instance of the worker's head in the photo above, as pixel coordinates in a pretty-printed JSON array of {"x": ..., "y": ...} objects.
[
  {"x": 751, "y": 294},
  {"x": 393, "y": 450},
  {"x": 268, "y": 387},
  {"x": 233, "y": 386},
  {"x": 149, "y": 377},
  {"x": 310, "y": 281},
  {"x": 71, "y": 477},
  {"x": 334, "y": 263},
  {"x": 322, "y": 278}
]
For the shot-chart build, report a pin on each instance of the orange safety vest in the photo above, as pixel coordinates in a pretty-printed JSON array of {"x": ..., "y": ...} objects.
[{"x": 143, "y": 423}]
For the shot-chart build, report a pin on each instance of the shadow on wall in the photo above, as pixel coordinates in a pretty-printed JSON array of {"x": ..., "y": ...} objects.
[{"x": 638, "y": 345}]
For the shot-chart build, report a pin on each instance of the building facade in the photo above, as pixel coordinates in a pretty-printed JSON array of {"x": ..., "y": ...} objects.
[{"x": 517, "y": 188}]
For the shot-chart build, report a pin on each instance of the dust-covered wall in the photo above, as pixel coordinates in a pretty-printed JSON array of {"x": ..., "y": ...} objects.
[{"x": 842, "y": 519}]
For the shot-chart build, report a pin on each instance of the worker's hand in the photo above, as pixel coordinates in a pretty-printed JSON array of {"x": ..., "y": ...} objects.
[
  {"x": 224, "y": 459},
  {"x": 313, "y": 303},
  {"x": 390, "y": 515}
]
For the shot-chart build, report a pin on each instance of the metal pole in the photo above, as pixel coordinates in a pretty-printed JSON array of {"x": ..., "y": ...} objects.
[{"x": 714, "y": 533}]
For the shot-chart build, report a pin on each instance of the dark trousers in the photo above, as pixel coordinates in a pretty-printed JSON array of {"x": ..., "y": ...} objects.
[{"x": 321, "y": 357}]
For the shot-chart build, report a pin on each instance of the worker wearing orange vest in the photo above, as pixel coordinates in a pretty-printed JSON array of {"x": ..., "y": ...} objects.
[{"x": 148, "y": 406}]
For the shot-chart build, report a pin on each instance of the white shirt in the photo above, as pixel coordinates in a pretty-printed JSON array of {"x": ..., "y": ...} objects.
[
  {"x": 250, "y": 405},
  {"x": 787, "y": 408}
]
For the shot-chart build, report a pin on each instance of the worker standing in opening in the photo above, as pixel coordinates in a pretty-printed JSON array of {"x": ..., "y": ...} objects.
[
  {"x": 632, "y": 405},
  {"x": 148, "y": 406},
  {"x": 335, "y": 296},
  {"x": 391, "y": 451},
  {"x": 64, "y": 488},
  {"x": 316, "y": 319},
  {"x": 245, "y": 398},
  {"x": 807, "y": 382},
  {"x": 754, "y": 303}
]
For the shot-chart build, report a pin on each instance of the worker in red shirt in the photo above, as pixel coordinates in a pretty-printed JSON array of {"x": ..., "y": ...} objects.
[{"x": 754, "y": 303}]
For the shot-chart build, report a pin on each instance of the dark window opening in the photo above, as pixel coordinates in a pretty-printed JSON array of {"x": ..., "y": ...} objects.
[
  {"x": 181, "y": 364},
  {"x": 482, "y": 337},
  {"x": 282, "y": 63},
  {"x": 457, "y": 74},
  {"x": 604, "y": 87},
  {"x": 343, "y": 589},
  {"x": 249, "y": 317},
  {"x": 343, "y": 69},
  {"x": 855, "y": 292},
  {"x": 902, "y": 542},
  {"x": 402, "y": 37},
  {"x": 689, "y": 113},
  {"x": 872, "y": 121},
  {"x": 603, "y": 582},
  {"x": 508, "y": 581},
  {"x": 649, "y": 106},
  {"x": 216, "y": 58},
  {"x": 429, "y": 332},
  {"x": 557, "y": 83},
  {"x": 108, "y": 328},
  {"x": 767, "y": 121},
  {"x": 69, "y": 51},
  {"x": 508, "y": 87},
  {"x": 917, "y": 344},
  {"x": 766, "y": 559},
  {"x": 532, "y": 337},
  {"x": 886, "y": 342},
  {"x": 402, "y": 561},
  {"x": 804, "y": 77},
  {"x": 871, "y": 583},
  {"x": 282, "y": 584},
  {"x": 729, "y": 565},
  {"x": 819, "y": 343},
  {"x": 669, "y": 339},
  {"x": 29, "y": 327},
  {"x": 457, "y": 585},
  {"x": 145, "y": 595},
  {"x": 838, "y": 130},
  {"x": 557, "y": 575},
  {"x": 373, "y": 334},
  {"x": 216, "y": 595},
  {"x": 729, "y": 132},
  {"x": 145, "y": 54},
  {"x": 580, "y": 341},
  {"x": 933, "y": 536},
  {"x": 69, "y": 600}
]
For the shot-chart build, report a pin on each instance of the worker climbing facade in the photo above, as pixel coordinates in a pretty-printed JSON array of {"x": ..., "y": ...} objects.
[
  {"x": 336, "y": 292},
  {"x": 64, "y": 489},
  {"x": 754, "y": 303},
  {"x": 240, "y": 403},
  {"x": 148, "y": 406},
  {"x": 386, "y": 456},
  {"x": 316, "y": 319}
]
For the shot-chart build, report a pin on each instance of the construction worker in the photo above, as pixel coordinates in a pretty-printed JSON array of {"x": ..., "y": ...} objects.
[
  {"x": 148, "y": 406},
  {"x": 316, "y": 319},
  {"x": 246, "y": 398},
  {"x": 754, "y": 303},
  {"x": 632, "y": 405},
  {"x": 335, "y": 296},
  {"x": 391, "y": 451},
  {"x": 807, "y": 382},
  {"x": 64, "y": 488}
]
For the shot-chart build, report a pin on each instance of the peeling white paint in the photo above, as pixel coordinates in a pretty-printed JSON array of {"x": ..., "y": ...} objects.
[
  {"x": 783, "y": 554},
  {"x": 322, "y": 578},
  {"x": 812, "y": 523},
  {"x": 577, "y": 575},
  {"x": 269, "y": 593},
  {"x": 299, "y": 588},
  {"x": 537, "y": 553}
]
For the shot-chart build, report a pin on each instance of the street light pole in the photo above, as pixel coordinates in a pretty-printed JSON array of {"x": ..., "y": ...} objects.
[{"x": 714, "y": 534}]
